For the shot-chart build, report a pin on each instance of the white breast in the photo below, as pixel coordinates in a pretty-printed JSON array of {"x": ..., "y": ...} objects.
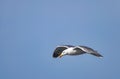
[{"x": 70, "y": 51}]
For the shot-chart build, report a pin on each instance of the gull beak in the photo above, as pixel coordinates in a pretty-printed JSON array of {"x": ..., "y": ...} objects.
[{"x": 60, "y": 55}]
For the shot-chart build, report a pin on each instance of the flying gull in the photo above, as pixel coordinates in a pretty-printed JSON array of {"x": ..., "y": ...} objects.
[{"x": 74, "y": 50}]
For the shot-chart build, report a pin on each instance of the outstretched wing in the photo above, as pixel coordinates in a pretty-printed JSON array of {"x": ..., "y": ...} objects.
[
  {"x": 59, "y": 50},
  {"x": 89, "y": 50}
]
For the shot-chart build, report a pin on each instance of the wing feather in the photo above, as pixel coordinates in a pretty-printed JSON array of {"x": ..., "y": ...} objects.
[
  {"x": 89, "y": 50},
  {"x": 59, "y": 50}
]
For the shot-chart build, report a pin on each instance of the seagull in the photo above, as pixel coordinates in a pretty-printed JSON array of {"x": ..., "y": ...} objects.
[{"x": 74, "y": 50}]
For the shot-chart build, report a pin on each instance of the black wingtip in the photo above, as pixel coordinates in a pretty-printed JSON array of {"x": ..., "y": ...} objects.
[
  {"x": 58, "y": 51},
  {"x": 97, "y": 54},
  {"x": 55, "y": 55}
]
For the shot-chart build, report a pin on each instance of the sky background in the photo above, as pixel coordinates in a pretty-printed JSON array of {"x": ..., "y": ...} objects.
[{"x": 31, "y": 29}]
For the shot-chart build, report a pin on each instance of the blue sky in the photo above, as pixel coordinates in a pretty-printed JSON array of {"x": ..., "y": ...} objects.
[{"x": 31, "y": 29}]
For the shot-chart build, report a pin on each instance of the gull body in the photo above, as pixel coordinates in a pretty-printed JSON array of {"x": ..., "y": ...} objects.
[{"x": 74, "y": 50}]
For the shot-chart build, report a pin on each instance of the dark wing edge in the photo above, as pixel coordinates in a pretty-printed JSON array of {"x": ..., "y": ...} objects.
[
  {"x": 96, "y": 54},
  {"x": 58, "y": 51},
  {"x": 89, "y": 51}
]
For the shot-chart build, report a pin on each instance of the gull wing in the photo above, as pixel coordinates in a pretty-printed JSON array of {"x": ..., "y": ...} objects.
[
  {"x": 59, "y": 50},
  {"x": 89, "y": 50}
]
